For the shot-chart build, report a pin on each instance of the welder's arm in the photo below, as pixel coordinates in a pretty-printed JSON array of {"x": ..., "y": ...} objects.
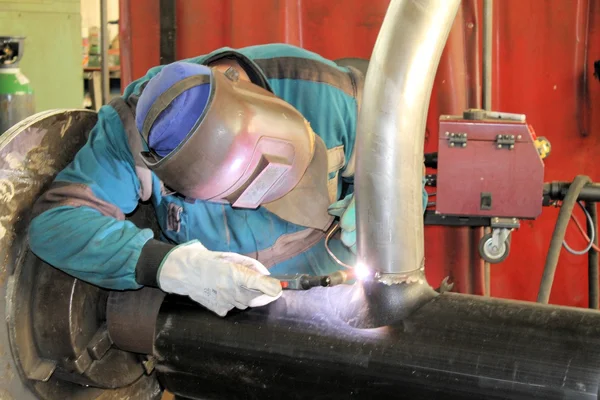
[
  {"x": 79, "y": 227},
  {"x": 79, "y": 224}
]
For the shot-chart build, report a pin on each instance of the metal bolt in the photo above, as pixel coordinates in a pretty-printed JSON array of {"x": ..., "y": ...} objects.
[
  {"x": 447, "y": 133},
  {"x": 496, "y": 220},
  {"x": 512, "y": 146},
  {"x": 499, "y": 146},
  {"x": 451, "y": 144},
  {"x": 512, "y": 136},
  {"x": 515, "y": 220},
  {"x": 464, "y": 145},
  {"x": 519, "y": 137}
]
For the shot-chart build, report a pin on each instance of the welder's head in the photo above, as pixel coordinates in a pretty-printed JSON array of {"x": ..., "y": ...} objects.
[{"x": 215, "y": 137}]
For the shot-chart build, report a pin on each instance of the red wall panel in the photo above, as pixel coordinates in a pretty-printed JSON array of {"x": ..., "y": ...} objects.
[
  {"x": 543, "y": 56},
  {"x": 542, "y": 49}
]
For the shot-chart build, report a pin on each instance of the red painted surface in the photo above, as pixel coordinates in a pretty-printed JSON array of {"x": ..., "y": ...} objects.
[
  {"x": 453, "y": 251},
  {"x": 139, "y": 31},
  {"x": 539, "y": 71},
  {"x": 543, "y": 57}
]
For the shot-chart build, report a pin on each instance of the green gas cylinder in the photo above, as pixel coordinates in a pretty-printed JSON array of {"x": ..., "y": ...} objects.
[{"x": 16, "y": 94}]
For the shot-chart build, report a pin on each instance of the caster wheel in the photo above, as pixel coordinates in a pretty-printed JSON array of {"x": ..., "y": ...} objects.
[{"x": 491, "y": 253}]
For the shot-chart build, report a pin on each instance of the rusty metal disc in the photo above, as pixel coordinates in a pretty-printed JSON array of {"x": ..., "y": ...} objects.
[{"x": 31, "y": 154}]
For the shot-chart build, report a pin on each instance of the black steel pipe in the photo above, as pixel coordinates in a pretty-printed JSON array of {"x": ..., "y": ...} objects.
[
  {"x": 305, "y": 346},
  {"x": 558, "y": 191}
]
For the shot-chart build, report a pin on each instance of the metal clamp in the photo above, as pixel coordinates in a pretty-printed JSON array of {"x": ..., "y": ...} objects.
[
  {"x": 457, "y": 139},
  {"x": 506, "y": 141},
  {"x": 478, "y": 114}
]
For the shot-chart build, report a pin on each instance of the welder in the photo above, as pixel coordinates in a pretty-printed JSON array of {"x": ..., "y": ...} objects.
[{"x": 246, "y": 156}]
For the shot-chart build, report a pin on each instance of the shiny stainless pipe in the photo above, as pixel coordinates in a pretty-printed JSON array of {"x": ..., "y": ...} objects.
[{"x": 391, "y": 132}]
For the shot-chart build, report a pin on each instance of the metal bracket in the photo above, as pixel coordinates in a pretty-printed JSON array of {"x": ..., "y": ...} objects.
[
  {"x": 431, "y": 180},
  {"x": 149, "y": 364},
  {"x": 508, "y": 223},
  {"x": 457, "y": 139},
  {"x": 432, "y": 218},
  {"x": 100, "y": 343},
  {"x": 506, "y": 141},
  {"x": 499, "y": 236}
]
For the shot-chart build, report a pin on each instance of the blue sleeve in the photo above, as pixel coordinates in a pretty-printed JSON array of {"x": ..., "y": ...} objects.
[{"x": 81, "y": 229}]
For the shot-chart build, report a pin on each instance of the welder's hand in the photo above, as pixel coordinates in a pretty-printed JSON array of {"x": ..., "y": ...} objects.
[
  {"x": 346, "y": 210},
  {"x": 217, "y": 280}
]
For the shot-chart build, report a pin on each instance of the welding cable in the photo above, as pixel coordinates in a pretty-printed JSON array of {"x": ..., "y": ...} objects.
[
  {"x": 335, "y": 227},
  {"x": 593, "y": 290},
  {"x": 592, "y": 213},
  {"x": 589, "y": 238},
  {"x": 558, "y": 236},
  {"x": 584, "y": 233}
]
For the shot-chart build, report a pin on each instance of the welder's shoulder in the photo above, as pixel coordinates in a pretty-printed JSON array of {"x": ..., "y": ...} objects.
[
  {"x": 105, "y": 154},
  {"x": 295, "y": 65},
  {"x": 281, "y": 50}
]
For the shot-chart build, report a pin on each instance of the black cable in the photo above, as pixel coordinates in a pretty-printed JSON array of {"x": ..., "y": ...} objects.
[
  {"x": 593, "y": 257},
  {"x": 558, "y": 236}
]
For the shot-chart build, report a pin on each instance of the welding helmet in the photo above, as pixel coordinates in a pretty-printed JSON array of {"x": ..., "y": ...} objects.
[{"x": 214, "y": 137}]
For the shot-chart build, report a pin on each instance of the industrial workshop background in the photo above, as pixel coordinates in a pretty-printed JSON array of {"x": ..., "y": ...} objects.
[{"x": 543, "y": 66}]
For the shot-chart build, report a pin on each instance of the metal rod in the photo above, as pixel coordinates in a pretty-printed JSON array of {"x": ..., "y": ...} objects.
[
  {"x": 391, "y": 131},
  {"x": 104, "y": 41},
  {"x": 487, "y": 272},
  {"x": 168, "y": 31},
  {"x": 488, "y": 20},
  {"x": 593, "y": 258}
]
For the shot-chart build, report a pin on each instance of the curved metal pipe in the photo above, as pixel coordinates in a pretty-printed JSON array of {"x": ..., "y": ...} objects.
[{"x": 391, "y": 131}]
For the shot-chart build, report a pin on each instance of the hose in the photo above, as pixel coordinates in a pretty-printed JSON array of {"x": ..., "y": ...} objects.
[
  {"x": 558, "y": 236},
  {"x": 593, "y": 257},
  {"x": 334, "y": 228},
  {"x": 591, "y": 229},
  {"x": 583, "y": 233}
]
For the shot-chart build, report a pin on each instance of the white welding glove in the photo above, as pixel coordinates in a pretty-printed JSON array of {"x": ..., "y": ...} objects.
[{"x": 219, "y": 281}]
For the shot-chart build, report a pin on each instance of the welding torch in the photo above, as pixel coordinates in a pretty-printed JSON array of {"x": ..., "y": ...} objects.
[{"x": 306, "y": 281}]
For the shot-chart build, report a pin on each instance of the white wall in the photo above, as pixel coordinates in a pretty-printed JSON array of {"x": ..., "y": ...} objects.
[{"x": 90, "y": 16}]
